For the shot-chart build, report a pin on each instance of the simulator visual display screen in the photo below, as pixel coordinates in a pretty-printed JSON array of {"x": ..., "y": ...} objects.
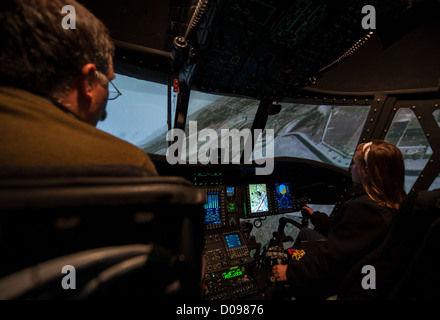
[
  {"x": 283, "y": 196},
  {"x": 258, "y": 198},
  {"x": 233, "y": 241},
  {"x": 212, "y": 209}
]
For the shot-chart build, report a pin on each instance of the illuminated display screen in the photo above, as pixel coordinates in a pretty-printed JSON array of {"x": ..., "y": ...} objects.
[
  {"x": 233, "y": 273},
  {"x": 212, "y": 208},
  {"x": 283, "y": 196},
  {"x": 258, "y": 198},
  {"x": 208, "y": 179},
  {"x": 233, "y": 241},
  {"x": 230, "y": 191}
]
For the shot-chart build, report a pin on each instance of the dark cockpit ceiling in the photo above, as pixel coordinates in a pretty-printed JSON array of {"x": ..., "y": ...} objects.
[{"x": 277, "y": 49}]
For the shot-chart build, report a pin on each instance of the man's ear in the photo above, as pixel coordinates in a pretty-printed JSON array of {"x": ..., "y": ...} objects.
[{"x": 87, "y": 81}]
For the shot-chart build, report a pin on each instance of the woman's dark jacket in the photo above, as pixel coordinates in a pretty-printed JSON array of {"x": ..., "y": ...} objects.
[{"x": 354, "y": 230}]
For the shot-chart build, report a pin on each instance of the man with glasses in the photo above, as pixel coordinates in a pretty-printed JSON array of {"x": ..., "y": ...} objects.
[{"x": 54, "y": 88}]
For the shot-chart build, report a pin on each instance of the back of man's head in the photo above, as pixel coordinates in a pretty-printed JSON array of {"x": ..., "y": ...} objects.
[{"x": 40, "y": 55}]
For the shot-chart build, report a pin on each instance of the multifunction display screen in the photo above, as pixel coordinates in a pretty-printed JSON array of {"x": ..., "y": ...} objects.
[
  {"x": 258, "y": 198},
  {"x": 212, "y": 208},
  {"x": 233, "y": 241},
  {"x": 283, "y": 196}
]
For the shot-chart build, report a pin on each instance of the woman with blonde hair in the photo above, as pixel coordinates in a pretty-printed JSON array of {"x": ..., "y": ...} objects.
[{"x": 354, "y": 229}]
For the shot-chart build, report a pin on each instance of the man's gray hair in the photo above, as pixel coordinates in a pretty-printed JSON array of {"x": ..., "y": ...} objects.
[{"x": 41, "y": 56}]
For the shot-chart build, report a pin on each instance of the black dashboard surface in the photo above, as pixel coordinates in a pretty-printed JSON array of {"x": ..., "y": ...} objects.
[{"x": 319, "y": 182}]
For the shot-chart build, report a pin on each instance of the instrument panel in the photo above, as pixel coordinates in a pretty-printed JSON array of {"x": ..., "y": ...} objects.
[
  {"x": 227, "y": 204},
  {"x": 227, "y": 248},
  {"x": 235, "y": 264}
]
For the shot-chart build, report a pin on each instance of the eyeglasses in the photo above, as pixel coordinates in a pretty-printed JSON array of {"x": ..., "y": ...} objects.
[{"x": 114, "y": 93}]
